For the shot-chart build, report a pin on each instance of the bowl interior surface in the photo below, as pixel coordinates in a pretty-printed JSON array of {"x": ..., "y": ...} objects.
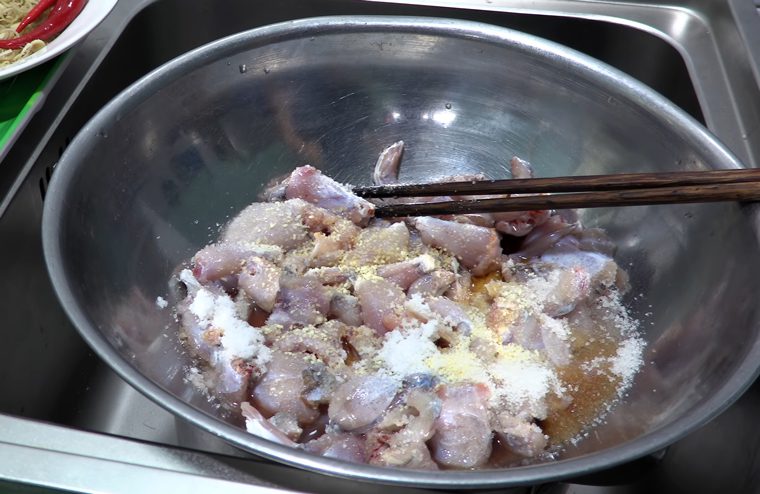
[{"x": 156, "y": 174}]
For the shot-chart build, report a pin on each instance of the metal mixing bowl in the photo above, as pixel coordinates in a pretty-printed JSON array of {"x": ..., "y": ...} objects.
[{"x": 153, "y": 176}]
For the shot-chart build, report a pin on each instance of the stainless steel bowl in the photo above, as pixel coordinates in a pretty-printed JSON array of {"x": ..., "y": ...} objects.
[{"x": 152, "y": 177}]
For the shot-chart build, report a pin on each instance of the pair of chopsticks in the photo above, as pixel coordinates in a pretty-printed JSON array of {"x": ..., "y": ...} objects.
[{"x": 590, "y": 191}]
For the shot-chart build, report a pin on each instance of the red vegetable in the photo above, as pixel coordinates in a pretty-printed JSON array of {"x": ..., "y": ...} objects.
[
  {"x": 33, "y": 14},
  {"x": 61, "y": 16}
]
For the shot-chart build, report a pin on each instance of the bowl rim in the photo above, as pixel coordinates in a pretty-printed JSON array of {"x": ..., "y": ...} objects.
[{"x": 67, "y": 170}]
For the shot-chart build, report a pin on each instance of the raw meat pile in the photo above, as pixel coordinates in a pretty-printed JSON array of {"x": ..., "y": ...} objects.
[{"x": 412, "y": 343}]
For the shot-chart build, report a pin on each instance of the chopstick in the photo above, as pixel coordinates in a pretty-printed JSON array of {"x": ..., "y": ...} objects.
[
  {"x": 634, "y": 189},
  {"x": 622, "y": 181}
]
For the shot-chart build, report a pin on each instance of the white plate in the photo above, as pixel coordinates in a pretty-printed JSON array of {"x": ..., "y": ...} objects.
[{"x": 94, "y": 12}]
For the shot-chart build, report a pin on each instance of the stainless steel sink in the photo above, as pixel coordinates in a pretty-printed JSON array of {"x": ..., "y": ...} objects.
[{"x": 60, "y": 405}]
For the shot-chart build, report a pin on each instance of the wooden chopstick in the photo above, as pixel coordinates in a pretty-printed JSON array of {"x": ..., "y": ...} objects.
[
  {"x": 594, "y": 199},
  {"x": 626, "y": 181}
]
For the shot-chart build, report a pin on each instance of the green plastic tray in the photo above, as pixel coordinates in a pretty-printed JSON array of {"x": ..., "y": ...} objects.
[{"x": 21, "y": 96}]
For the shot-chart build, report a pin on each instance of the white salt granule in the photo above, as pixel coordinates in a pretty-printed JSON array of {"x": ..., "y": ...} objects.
[
  {"x": 628, "y": 360},
  {"x": 522, "y": 386},
  {"x": 558, "y": 327},
  {"x": 625, "y": 364},
  {"x": 202, "y": 306},
  {"x": 239, "y": 339},
  {"x": 595, "y": 364},
  {"x": 161, "y": 302},
  {"x": 405, "y": 350}
]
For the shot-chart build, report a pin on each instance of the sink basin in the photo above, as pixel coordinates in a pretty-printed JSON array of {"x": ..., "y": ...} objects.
[
  {"x": 662, "y": 69},
  {"x": 52, "y": 376}
]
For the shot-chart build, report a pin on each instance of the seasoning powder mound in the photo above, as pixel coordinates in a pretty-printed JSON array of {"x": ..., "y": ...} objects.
[
  {"x": 406, "y": 349},
  {"x": 238, "y": 338},
  {"x": 458, "y": 364},
  {"x": 521, "y": 385},
  {"x": 628, "y": 360}
]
